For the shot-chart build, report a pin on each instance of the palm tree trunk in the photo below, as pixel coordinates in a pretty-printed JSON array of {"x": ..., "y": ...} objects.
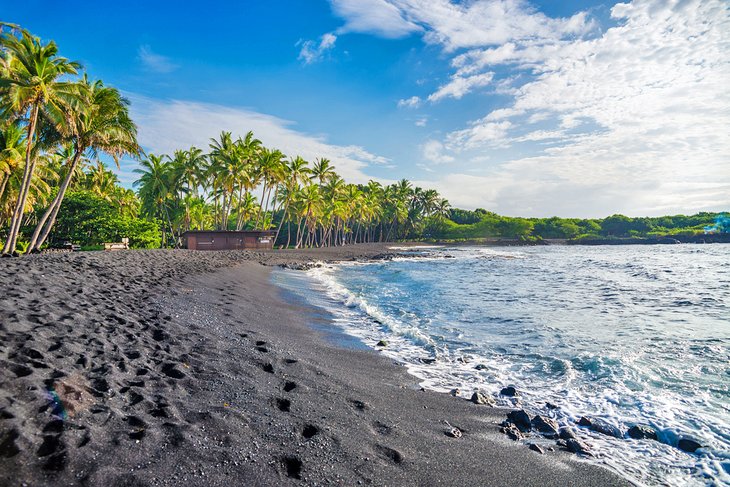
[
  {"x": 283, "y": 217},
  {"x": 261, "y": 202},
  {"x": 299, "y": 234},
  {"x": 3, "y": 184},
  {"x": 239, "y": 219},
  {"x": 25, "y": 185},
  {"x": 50, "y": 215}
]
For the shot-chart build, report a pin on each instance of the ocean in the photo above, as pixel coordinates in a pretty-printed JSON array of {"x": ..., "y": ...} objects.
[{"x": 628, "y": 334}]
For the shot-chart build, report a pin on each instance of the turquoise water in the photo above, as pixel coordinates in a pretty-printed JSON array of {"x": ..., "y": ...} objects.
[{"x": 629, "y": 334}]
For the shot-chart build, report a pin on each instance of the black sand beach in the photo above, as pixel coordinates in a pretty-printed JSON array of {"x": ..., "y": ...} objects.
[{"x": 187, "y": 368}]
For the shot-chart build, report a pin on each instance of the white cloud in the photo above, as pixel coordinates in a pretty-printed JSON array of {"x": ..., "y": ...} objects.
[
  {"x": 167, "y": 125},
  {"x": 433, "y": 151},
  {"x": 421, "y": 122},
  {"x": 459, "y": 86},
  {"x": 152, "y": 61},
  {"x": 412, "y": 102},
  {"x": 378, "y": 17},
  {"x": 634, "y": 120},
  {"x": 481, "y": 133},
  {"x": 457, "y": 25},
  {"x": 313, "y": 51}
]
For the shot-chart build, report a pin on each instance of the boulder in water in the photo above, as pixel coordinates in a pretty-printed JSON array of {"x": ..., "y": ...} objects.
[
  {"x": 480, "y": 367},
  {"x": 480, "y": 398},
  {"x": 521, "y": 419},
  {"x": 577, "y": 446},
  {"x": 600, "y": 426},
  {"x": 566, "y": 433},
  {"x": 545, "y": 425},
  {"x": 641, "y": 432},
  {"x": 508, "y": 391},
  {"x": 690, "y": 445},
  {"x": 382, "y": 343}
]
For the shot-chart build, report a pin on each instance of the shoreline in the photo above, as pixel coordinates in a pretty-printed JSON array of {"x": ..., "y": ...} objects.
[{"x": 179, "y": 367}]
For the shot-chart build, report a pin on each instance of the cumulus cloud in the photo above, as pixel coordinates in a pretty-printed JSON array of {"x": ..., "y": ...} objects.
[
  {"x": 457, "y": 25},
  {"x": 167, "y": 125},
  {"x": 433, "y": 151},
  {"x": 412, "y": 102},
  {"x": 313, "y": 51},
  {"x": 378, "y": 17},
  {"x": 459, "y": 86},
  {"x": 152, "y": 61},
  {"x": 634, "y": 120}
]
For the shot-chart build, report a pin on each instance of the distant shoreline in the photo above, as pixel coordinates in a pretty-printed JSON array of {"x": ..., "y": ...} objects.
[{"x": 710, "y": 238}]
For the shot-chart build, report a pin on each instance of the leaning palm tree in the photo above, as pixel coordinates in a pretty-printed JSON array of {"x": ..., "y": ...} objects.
[
  {"x": 32, "y": 88},
  {"x": 101, "y": 123}
]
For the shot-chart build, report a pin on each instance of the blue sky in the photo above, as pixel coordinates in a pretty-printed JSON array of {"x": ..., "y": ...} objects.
[{"x": 525, "y": 108}]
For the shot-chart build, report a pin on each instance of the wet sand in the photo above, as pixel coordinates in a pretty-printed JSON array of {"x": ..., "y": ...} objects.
[{"x": 190, "y": 368}]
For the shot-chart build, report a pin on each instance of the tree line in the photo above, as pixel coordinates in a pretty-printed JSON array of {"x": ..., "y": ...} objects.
[
  {"x": 55, "y": 123},
  {"x": 240, "y": 184}
]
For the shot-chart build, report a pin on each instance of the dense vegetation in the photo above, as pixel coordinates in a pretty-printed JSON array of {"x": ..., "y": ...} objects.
[
  {"x": 55, "y": 124},
  {"x": 468, "y": 225}
]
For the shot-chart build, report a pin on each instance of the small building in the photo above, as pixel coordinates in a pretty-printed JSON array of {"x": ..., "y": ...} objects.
[{"x": 228, "y": 240}]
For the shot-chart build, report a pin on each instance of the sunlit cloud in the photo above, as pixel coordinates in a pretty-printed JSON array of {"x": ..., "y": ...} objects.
[
  {"x": 168, "y": 125},
  {"x": 634, "y": 118}
]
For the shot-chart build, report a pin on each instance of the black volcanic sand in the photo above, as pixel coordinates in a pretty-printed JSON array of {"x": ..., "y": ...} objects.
[{"x": 188, "y": 368}]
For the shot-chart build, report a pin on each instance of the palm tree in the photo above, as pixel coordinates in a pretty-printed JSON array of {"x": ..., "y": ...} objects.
[
  {"x": 322, "y": 170},
  {"x": 101, "y": 123},
  {"x": 154, "y": 188},
  {"x": 297, "y": 172},
  {"x": 30, "y": 81}
]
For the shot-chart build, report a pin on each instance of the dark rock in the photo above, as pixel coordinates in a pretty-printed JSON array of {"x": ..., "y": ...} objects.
[
  {"x": 640, "y": 432},
  {"x": 537, "y": 448},
  {"x": 382, "y": 343},
  {"x": 545, "y": 425},
  {"x": 520, "y": 419},
  {"x": 426, "y": 360},
  {"x": 584, "y": 421},
  {"x": 509, "y": 391},
  {"x": 576, "y": 446},
  {"x": 480, "y": 367},
  {"x": 550, "y": 405},
  {"x": 600, "y": 426},
  {"x": 566, "y": 433},
  {"x": 479, "y": 398},
  {"x": 512, "y": 431},
  {"x": 689, "y": 445}
]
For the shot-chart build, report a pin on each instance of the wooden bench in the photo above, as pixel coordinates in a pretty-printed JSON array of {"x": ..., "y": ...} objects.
[{"x": 123, "y": 245}]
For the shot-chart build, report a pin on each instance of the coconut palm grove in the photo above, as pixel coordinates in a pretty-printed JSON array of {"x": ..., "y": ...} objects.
[{"x": 62, "y": 133}]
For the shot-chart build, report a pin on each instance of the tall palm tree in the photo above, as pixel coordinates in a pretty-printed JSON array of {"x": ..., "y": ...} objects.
[
  {"x": 101, "y": 123},
  {"x": 154, "y": 188},
  {"x": 322, "y": 170},
  {"x": 297, "y": 172},
  {"x": 32, "y": 88}
]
